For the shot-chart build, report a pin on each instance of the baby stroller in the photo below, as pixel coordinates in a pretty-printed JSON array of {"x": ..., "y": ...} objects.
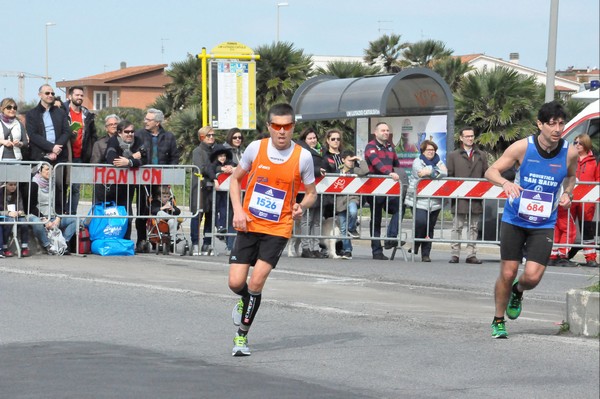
[{"x": 158, "y": 231}]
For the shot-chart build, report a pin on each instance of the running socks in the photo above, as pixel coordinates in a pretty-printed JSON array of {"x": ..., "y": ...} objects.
[
  {"x": 251, "y": 305},
  {"x": 516, "y": 291},
  {"x": 244, "y": 291}
]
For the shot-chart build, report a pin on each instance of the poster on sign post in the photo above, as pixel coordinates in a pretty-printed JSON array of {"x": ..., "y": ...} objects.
[
  {"x": 233, "y": 94},
  {"x": 408, "y": 132}
]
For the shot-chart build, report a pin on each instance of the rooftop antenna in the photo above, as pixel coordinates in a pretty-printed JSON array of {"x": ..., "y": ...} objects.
[
  {"x": 162, "y": 49},
  {"x": 379, "y": 28}
]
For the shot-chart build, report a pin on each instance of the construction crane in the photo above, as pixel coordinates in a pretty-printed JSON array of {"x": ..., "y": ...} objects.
[{"x": 21, "y": 76}]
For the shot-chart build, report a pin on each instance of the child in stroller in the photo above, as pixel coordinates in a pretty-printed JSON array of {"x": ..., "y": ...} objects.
[{"x": 162, "y": 233}]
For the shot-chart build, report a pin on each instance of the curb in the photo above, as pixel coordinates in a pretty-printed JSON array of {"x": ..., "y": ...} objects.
[{"x": 583, "y": 312}]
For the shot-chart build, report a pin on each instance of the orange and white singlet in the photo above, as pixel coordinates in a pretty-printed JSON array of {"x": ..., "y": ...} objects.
[{"x": 271, "y": 192}]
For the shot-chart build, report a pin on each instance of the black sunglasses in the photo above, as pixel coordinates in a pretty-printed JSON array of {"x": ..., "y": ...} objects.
[
  {"x": 48, "y": 93},
  {"x": 9, "y": 107}
]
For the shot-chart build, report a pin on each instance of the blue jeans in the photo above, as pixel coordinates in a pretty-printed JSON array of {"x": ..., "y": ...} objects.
[
  {"x": 67, "y": 225},
  {"x": 195, "y": 228},
  {"x": 347, "y": 221},
  {"x": 378, "y": 205},
  {"x": 424, "y": 224},
  {"x": 23, "y": 231},
  {"x": 73, "y": 199}
]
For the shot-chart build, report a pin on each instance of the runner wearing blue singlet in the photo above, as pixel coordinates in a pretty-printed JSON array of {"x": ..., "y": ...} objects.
[{"x": 547, "y": 166}]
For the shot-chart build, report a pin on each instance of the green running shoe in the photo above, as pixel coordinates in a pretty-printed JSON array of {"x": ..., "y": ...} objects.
[
  {"x": 240, "y": 346},
  {"x": 236, "y": 313},
  {"x": 499, "y": 330},
  {"x": 513, "y": 309}
]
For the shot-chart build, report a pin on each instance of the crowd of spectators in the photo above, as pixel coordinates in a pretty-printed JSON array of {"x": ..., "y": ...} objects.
[{"x": 55, "y": 132}]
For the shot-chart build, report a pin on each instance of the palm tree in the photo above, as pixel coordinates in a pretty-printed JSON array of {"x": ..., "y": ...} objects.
[
  {"x": 133, "y": 115},
  {"x": 345, "y": 69},
  {"x": 186, "y": 87},
  {"x": 280, "y": 71},
  {"x": 425, "y": 52},
  {"x": 500, "y": 104},
  {"x": 385, "y": 50},
  {"x": 452, "y": 70},
  {"x": 184, "y": 125}
]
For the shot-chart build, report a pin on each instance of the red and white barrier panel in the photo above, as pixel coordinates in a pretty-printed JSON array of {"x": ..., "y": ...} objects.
[
  {"x": 486, "y": 190},
  {"x": 340, "y": 185}
]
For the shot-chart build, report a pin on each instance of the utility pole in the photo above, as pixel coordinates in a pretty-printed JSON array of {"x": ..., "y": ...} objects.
[
  {"x": 48, "y": 24},
  {"x": 278, "y": 6},
  {"x": 551, "y": 62}
]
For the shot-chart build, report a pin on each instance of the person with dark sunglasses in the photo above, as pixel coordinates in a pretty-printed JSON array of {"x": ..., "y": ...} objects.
[
  {"x": 276, "y": 167},
  {"x": 49, "y": 132},
  {"x": 13, "y": 137}
]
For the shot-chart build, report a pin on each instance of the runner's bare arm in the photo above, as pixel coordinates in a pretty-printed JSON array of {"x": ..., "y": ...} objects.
[
  {"x": 240, "y": 219},
  {"x": 309, "y": 199},
  {"x": 570, "y": 180},
  {"x": 513, "y": 154}
]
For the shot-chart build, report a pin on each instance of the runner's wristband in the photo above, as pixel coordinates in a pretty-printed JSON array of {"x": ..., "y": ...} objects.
[{"x": 569, "y": 194}]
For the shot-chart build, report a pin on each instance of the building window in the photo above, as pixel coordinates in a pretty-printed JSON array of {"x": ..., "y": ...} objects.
[
  {"x": 100, "y": 100},
  {"x": 114, "y": 99}
]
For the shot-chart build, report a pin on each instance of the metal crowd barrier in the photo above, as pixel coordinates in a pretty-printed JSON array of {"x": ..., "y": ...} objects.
[
  {"x": 450, "y": 189},
  {"x": 129, "y": 187},
  {"x": 585, "y": 195},
  {"x": 329, "y": 188},
  {"x": 20, "y": 172}
]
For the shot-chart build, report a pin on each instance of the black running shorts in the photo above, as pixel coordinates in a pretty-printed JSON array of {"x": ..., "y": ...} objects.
[
  {"x": 533, "y": 244},
  {"x": 249, "y": 247}
]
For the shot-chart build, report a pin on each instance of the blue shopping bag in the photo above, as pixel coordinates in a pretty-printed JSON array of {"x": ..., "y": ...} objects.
[
  {"x": 103, "y": 228},
  {"x": 113, "y": 247}
]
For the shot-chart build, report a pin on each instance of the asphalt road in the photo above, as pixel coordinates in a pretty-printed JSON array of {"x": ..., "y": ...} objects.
[{"x": 154, "y": 326}]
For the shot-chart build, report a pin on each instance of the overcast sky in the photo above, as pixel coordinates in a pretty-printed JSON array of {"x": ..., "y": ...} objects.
[{"x": 94, "y": 36}]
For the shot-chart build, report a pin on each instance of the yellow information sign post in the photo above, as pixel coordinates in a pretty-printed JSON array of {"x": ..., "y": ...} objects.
[{"x": 233, "y": 86}]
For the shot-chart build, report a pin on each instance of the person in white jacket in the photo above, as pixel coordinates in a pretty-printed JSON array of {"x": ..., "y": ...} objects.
[
  {"x": 13, "y": 137},
  {"x": 426, "y": 210}
]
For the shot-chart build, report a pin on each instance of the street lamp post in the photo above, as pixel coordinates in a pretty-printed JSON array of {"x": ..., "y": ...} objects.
[
  {"x": 278, "y": 6},
  {"x": 47, "y": 25}
]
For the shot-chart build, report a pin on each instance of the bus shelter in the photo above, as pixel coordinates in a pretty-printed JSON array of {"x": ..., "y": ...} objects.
[{"x": 416, "y": 103}]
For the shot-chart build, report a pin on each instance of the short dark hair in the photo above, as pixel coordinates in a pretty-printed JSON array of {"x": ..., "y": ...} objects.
[
  {"x": 306, "y": 132},
  {"x": 230, "y": 133},
  {"x": 347, "y": 153},
  {"x": 464, "y": 128},
  {"x": 551, "y": 110},
  {"x": 282, "y": 109},
  {"x": 123, "y": 124},
  {"x": 72, "y": 89}
]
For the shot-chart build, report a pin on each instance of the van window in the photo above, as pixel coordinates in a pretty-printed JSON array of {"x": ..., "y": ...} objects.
[{"x": 594, "y": 133}]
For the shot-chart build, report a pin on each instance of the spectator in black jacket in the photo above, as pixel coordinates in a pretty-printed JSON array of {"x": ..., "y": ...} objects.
[
  {"x": 124, "y": 150},
  {"x": 160, "y": 148},
  {"x": 311, "y": 219},
  {"x": 220, "y": 162},
  {"x": 48, "y": 130},
  {"x": 201, "y": 159}
]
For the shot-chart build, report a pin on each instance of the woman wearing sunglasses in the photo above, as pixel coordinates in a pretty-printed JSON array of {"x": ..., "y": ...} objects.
[
  {"x": 587, "y": 170},
  {"x": 332, "y": 163},
  {"x": 13, "y": 137},
  {"x": 124, "y": 150},
  {"x": 235, "y": 140}
]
